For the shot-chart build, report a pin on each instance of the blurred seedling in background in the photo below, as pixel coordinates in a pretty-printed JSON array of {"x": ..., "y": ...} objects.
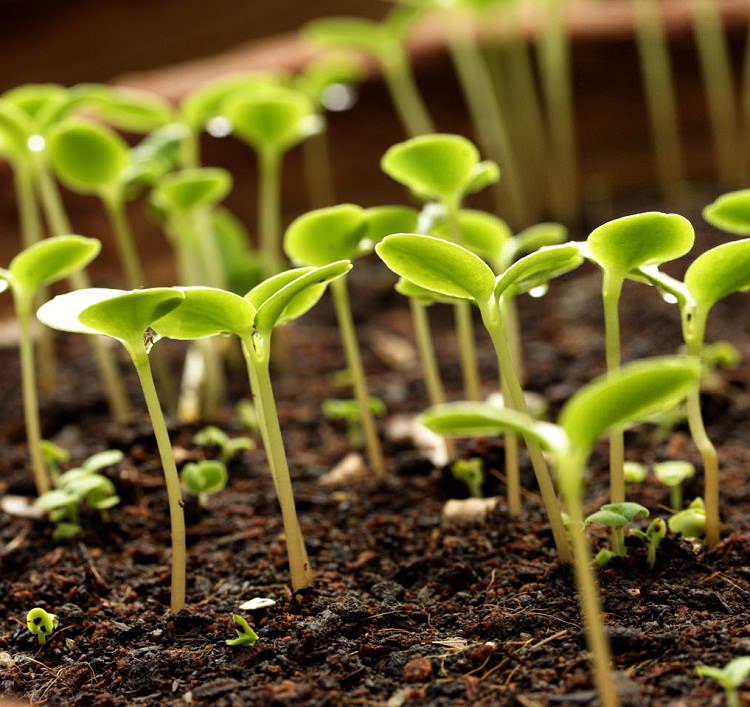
[
  {"x": 634, "y": 473},
  {"x": 41, "y": 624},
  {"x": 690, "y": 522},
  {"x": 229, "y": 447},
  {"x": 651, "y": 538},
  {"x": 348, "y": 411},
  {"x": 470, "y": 472},
  {"x": 730, "y": 677},
  {"x": 246, "y": 416},
  {"x": 618, "y": 516},
  {"x": 204, "y": 478},
  {"x": 53, "y": 456},
  {"x": 245, "y": 634},
  {"x": 673, "y": 474}
]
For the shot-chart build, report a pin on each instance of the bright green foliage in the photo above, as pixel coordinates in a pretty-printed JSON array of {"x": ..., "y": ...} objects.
[
  {"x": 204, "y": 478},
  {"x": 673, "y": 474},
  {"x": 348, "y": 410},
  {"x": 618, "y": 516},
  {"x": 129, "y": 109},
  {"x": 41, "y": 624},
  {"x": 690, "y": 523},
  {"x": 423, "y": 296},
  {"x": 242, "y": 265},
  {"x": 730, "y": 212},
  {"x": 382, "y": 221},
  {"x": 36, "y": 101},
  {"x": 152, "y": 158},
  {"x": 470, "y": 472},
  {"x": 53, "y": 455},
  {"x": 245, "y": 634},
  {"x": 537, "y": 236},
  {"x": 325, "y": 235},
  {"x": 537, "y": 269},
  {"x": 228, "y": 447},
  {"x": 655, "y": 533},
  {"x": 326, "y": 70},
  {"x": 183, "y": 192},
  {"x": 719, "y": 272},
  {"x": 481, "y": 232},
  {"x": 730, "y": 677},
  {"x": 14, "y": 134},
  {"x": 635, "y": 472}
]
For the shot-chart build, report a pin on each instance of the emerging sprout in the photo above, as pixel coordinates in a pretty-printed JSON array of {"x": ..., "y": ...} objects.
[
  {"x": 212, "y": 436},
  {"x": 673, "y": 474},
  {"x": 730, "y": 677},
  {"x": 245, "y": 634},
  {"x": 348, "y": 410},
  {"x": 634, "y": 473},
  {"x": 41, "y": 624},
  {"x": 618, "y": 516},
  {"x": 655, "y": 533},
  {"x": 470, "y": 472},
  {"x": 690, "y": 523},
  {"x": 128, "y": 109},
  {"x": 730, "y": 212},
  {"x": 204, "y": 478},
  {"x": 53, "y": 456}
]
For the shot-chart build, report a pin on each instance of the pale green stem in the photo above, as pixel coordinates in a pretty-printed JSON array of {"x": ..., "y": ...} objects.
[
  {"x": 611, "y": 289},
  {"x": 493, "y": 321},
  {"x": 733, "y": 698},
  {"x": 190, "y": 150},
  {"x": 717, "y": 80},
  {"x": 467, "y": 350},
  {"x": 675, "y": 497},
  {"x": 656, "y": 68},
  {"x": 404, "y": 93},
  {"x": 171, "y": 478},
  {"x": 512, "y": 469},
  {"x": 257, "y": 357},
  {"x": 510, "y": 315},
  {"x": 618, "y": 542},
  {"x": 269, "y": 209},
  {"x": 317, "y": 163},
  {"x": 58, "y": 223},
  {"x": 24, "y": 307},
  {"x": 357, "y": 372},
  {"x": 745, "y": 105},
  {"x": 126, "y": 249}
]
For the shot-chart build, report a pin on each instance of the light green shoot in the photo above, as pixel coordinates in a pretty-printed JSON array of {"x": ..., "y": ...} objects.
[
  {"x": 128, "y": 318},
  {"x": 129, "y": 109},
  {"x": 690, "y": 523},
  {"x": 655, "y": 533},
  {"x": 53, "y": 455},
  {"x": 228, "y": 447},
  {"x": 348, "y": 410},
  {"x": 41, "y": 624},
  {"x": 730, "y": 677},
  {"x": 634, "y": 473},
  {"x": 673, "y": 474},
  {"x": 203, "y": 478},
  {"x": 245, "y": 634},
  {"x": 618, "y": 516},
  {"x": 470, "y": 472}
]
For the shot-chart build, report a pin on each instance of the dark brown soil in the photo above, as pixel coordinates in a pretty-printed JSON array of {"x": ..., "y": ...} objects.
[{"x": 404, "y": 611}]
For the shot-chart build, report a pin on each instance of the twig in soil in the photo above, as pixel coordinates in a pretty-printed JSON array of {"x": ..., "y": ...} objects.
[{"x": 549, "y": 639}]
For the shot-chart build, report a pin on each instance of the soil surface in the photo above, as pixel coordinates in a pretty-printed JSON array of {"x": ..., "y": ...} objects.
[{"x": 405, "y": 610}]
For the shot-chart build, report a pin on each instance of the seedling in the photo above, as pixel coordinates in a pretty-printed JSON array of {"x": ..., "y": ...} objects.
[
  {"x": 470, "y": 472},
  {"x": 673, "y": 474},
  {"x": 271, "y": 120},
  {"x": 618, "y": 516},
  {"x": 128, "y": 317},
  {"x": 228, "y": 447},
  {"x": 245, "y": 634},
  {"x": 53, "y": 456},
  {"x": 41, "y": 624},
  {"x": 619, "y": 247},
  {"x": 321, "y": 237},
  {"x": 348, "y": 410},
  {"x": 39, "y": 265},
  {"x": 284, "y": 297},
  {"x": 730, "y": 677},
  {"x": 129, "y": 109},
  {"x": 690, "y": 523},
  {"x": 623, "y": 396},
  {"x": 451, "y": 270},
  {"x": 655, "y": 533},
  {"x": 204, "y": 478},
  {"x": 634, "y": 473}
]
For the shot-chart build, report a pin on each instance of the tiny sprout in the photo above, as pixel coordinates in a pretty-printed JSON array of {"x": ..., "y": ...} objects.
[
  {"x": 53, "y": 456},
  {"x": 730, "y": 677},
  {"x": 604, "y": 557},
  {"x": 349, "y": 411},
  {"x": 618, "y": 516},
  {"x": 655, "y": 533},
  {"x": 204, "y": 478},
  {"x": 245, "y": 634},
  {"x": 212, "y": 436},
  {"x": 690, "y": 523},
  {"x": 672, "y": 474},
  {"x": 470, "y": 472},
  {"x": 41, "y": 624},
  {"x": 246, "y": 416},
  {"x": 635, "y": 472}
]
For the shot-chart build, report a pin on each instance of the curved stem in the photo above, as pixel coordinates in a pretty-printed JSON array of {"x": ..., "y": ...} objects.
[
  {"x": 405, "y": 95},
  {"x": 171, "y": 478},
  {"x": 256, "y": 353},
  {"x": 126, "y": 249},
  {"x": 269, "y": 209},
  {"x": 611, "y": 288},
  {"x": 356, "y": 369}
]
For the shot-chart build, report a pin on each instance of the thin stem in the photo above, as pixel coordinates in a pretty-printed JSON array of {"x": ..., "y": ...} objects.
[
  {"x": 172, "y": 479},
  {"x": 126, "y": 249},
  {"x": 317, "y": 163},
  {"x": 611, "y": 289},
  {"x": 356, "y": 369},
  {"x": 675, "y": 497},
  {"x": 745, "y": 104},
  {"x": 513, "y": 326},
  {"x": 269, "y": 209},
  {"x": 493, "y": 321},
  {"x": 404, "y": 93},
  {"x": 24, "y": 307},
  {"x": 467, "y": 350},
  {"x": 512, "y": 469},
  {"x": 618, "y": 542},
  {"x": 257, "y": 358},
  {"x": 733, "y": 698}
]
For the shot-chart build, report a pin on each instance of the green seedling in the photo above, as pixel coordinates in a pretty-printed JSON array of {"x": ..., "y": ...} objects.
[
  {"x": 271, "y": 120},
  {"x": 673, "y": 474},
  {"x": 245, "y": 634},
  {"x": 348, "y": 410},
  {"x": 618, "y": 247},
  {"x": 322, "y": 237},
  {"x": 228, "y": 447},
  {"x": 470, "y": 472},
  {"x": 618, "y": 516},
  {"x": 246, "y": 416},
  {"x": 634, "y": 473},
  {"x": 41, "y": 624},
  {"x": 53, "y": 456},
  {"x": 730, "y": 212},
  {"x": 203, "y": 478},
  {"x": 129, "y": 109},
  {"x": 450, "y": 270},
  {"x": 241, "y": 264},
  {"x": 690, "y": 523},
  {"x": 39, "y": 265},
  {"x": 730, "y": 677},
  {"x": 655, "y": 533},
  {"x": 623, "y": 396},
  {"x": 279, "y": 299},
  {"x": 128, "y": 318}
]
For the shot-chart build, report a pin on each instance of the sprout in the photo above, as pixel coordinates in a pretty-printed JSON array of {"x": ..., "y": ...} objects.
[
  {"x": 690, "y": 523},
  {"x": 730, "y": 212},
  {"x": 618, "y": 247},
  {"x": 41, "y": 624},
  {"x": 655, "y": 533},
  {"x": 672, "y": 474},
  {"x": 228, "y": 446},
  {"x": 39, "y": 265},
  {"x": 129, "y": 109},
  {"x": 53, "y": 456},
  {"x": 245, "y": 634},
  {"x": 128, "y": 317},
  {"x": 204, "y": 478},
  {"x": 622, "y": 396},
  {"x": 470, "y": 472},
  {"x": 634, "y": 472},
  {"x": 349, "y": 411},
  {"x": 730, "y": 677},
  {"x": 207, "y": 312},
  {"x": 618, "y": 516}
]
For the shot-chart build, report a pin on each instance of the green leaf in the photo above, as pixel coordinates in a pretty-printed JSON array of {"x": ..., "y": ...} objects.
[
  {"x": 14, "y": 133},
  {"x": 436, "y": 166},
  {"x": 86, "y": 157},
  {"x": 185, "y": 191},
  {"x": 425, "y": 297},
  {"x": 737, "y": 670},
  {"x": 636, "y": 390},
  {"x": 326, "y": 235},
  {"x": 673, "y": 473},
  {"x": 245, "y": 634},
  {"x": 719, "y": 272},
  {"x": 690, "y": 523},
  {"x": 538, "y": 268},
  {"x": 207, "y": 311},
  {"x": 353, "y": 32},
  {"x": 482, "y": 233},
  {"x": 650, "y": 238},
  {"x": 383, "y": 221},
  {"x": 730, "y": 212},
  {"x": 537, "y": 236},
  {"x": 50, "y": 260},
  {"x": 129, "y": 109},
  {"x": 618, "y": 515},
  {"x": 438, "y": 265},
  {"x": 272, "y": 119},
  {"x": 153, "y": 158},
  {"x": 101, "y": 460},
  {"x": 33, "y": 99},
  {"x": 292, "y": 299},
  {"x": 205, "y": 477},
  {"x": 483, "y": 175},
  {"x": 57, "y": 498}
]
